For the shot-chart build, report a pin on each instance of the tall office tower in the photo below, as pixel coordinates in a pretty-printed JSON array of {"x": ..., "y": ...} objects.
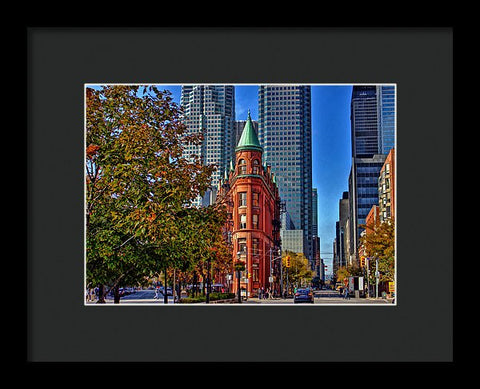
[
  {"x": 364, "y": 121},
  {"x": 342, "y": 244},
  {"x": 372, "y": 135},
  {"x": 386, "y": 117},
  {"x": 285, "y": 132},
  {"x": 210, "y": 109}
]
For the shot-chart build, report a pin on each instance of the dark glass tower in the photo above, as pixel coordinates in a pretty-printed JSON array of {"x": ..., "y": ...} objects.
[
  {"x": 364, "y": 121},
  {"x": 372, "y": 136}
]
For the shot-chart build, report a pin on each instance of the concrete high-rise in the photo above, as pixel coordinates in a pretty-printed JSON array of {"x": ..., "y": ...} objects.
[
  {"x": 210, "y": 109},
  {"x": 285, "y": 133}
]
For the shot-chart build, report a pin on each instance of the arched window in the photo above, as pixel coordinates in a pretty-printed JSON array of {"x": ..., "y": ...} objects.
[
  {"x": 256, "y": 167},
  {"x": 242, "y": 167}
]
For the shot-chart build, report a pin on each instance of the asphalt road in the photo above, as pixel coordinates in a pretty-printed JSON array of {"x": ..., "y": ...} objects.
[{"x": 321, "y": 297}]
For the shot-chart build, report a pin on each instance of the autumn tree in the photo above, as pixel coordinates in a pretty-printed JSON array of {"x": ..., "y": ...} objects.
[
  {"x": 379, "y": 243},
  {"x": 137, "y": 183},
  {"x": 298, "y": 273}
]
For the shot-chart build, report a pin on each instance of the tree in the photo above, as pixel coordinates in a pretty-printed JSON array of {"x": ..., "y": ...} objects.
[
  {"x": 380, "y": 243},
  {"x": 298, "y": 273},
  {"x": 342, "y": 274},
  {"x": 137, "y": 183}
]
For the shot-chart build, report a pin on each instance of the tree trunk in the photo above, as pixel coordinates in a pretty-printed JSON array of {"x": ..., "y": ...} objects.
[
  {"x": 116, "y": 295},
  {"x": 165, "y": 294},
  {"x": 207, "y": 298},
  {"x": 101, "y": 297}
]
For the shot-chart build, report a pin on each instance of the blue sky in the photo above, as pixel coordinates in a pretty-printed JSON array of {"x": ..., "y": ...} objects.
[{"x": 331, "y": 149}]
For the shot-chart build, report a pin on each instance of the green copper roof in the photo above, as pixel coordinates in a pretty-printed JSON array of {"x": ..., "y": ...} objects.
[{"x": 249, "y": 139}]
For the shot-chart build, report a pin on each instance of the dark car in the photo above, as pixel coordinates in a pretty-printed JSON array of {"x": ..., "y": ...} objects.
[{"x": 303, "y": 296}]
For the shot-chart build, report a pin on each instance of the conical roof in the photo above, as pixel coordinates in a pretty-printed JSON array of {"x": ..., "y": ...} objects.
[{"x": 249, "y": 139}]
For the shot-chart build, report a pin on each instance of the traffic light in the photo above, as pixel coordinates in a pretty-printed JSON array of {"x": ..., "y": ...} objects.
[
  {"x": 287, "y": 261},
  {"x": 362, "y": 261}
]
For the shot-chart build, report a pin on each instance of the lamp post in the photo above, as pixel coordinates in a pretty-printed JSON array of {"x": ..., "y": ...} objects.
[
  {"x": 239, "y": 266},
  {"x": 367, "y": 260}
]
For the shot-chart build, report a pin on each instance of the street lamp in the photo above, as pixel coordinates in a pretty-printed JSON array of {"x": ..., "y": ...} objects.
[{"x": 239, "y": 267}]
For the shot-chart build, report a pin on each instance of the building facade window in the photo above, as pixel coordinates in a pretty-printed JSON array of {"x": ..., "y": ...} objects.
[
  {"x": 255, "y": 199},
  {"x": 242, "y": 199},
  {"x": 255, "y": 247},
  {"x": 242, "y": 245},
  {"x": 243, "y": 222},
  {"x": 255, "y": 274},
  {"x": 256, "y": 167},
  {"x": 255, "y": 221},
  {"x": 242, "y": 167}
]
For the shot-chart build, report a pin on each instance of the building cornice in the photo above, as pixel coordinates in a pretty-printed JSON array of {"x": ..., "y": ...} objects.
[{"x": 234, "y": 179}]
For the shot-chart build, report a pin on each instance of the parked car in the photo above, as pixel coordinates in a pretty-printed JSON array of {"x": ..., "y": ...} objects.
[{"x": 303, "y": 296}]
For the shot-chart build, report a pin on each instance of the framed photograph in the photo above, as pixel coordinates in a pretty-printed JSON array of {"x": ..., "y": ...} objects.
[
  {"x": 275, "y": 188},
  {"x": 309, "y": 163}
]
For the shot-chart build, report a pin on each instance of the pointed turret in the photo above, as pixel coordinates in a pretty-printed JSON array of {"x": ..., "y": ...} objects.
[{"x": 249, "y": 139}]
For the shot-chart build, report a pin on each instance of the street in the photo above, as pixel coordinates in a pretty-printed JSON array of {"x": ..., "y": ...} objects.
[{"x": 321, "y": 297}]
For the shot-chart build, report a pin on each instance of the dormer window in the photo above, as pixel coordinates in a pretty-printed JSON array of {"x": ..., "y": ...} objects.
[
  {"x": 256, "y": 167},
  {"x": 242, "y": 167}
]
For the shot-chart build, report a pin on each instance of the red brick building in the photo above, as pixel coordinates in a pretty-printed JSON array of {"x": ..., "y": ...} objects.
[
  {"x": 386, "y": 188},
  {"x": 253, "y": 205}
]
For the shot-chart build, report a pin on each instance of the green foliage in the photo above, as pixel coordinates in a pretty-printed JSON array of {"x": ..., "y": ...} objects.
[
  {"x": 139, "y": 189},
  {"x": 380, "y": 243},
  {"x": 213, "y": 297},
  {"x": 298, "y": 273}
]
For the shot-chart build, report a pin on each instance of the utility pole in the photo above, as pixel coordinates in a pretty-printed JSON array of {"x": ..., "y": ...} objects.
[
  {"x": 377, "y": 274},
  {"x": 368, "y": 276}
]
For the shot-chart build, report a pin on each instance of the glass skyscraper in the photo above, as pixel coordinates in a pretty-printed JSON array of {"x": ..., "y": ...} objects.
[
  {"x": 285, "y": 133},
  {"x": 372, "y": 135},
  {"x": 210, "y": 109},
  {"x": 386, "y": 117},
  {"x": 364, "y": 121}
]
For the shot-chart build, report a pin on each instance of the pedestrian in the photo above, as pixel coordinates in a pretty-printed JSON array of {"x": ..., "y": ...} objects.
[
  {"x": 156, "y": 293},
  {"x": 347, "y": 295}
]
